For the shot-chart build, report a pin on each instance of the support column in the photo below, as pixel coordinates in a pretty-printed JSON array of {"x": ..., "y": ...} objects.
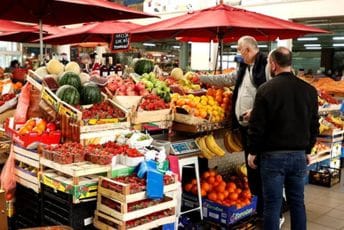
[
  {"x": 64, "y": 49},
  {"x": 184, "y": 55}
]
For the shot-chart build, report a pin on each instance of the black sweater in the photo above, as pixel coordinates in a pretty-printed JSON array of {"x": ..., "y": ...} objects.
[{"x": 284, "y": 116}]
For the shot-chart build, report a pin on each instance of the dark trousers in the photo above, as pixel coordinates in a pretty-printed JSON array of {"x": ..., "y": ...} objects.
[{"x": 253, "y": 175}]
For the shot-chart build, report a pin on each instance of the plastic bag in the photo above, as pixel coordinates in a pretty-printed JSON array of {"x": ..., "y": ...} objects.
[
  {"x": 23, "y": 104},
  {"x": 8, "y": 176},
  {"x": 35, "y": 98}
]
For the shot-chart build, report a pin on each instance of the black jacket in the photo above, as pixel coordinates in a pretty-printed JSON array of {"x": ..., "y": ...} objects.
[
  {"x": 284, "y": 116},
  {"x": 259, "y": 77}
]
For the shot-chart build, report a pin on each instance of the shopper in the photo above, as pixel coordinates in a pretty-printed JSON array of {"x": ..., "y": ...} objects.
[{"x": 283, "y": 127}]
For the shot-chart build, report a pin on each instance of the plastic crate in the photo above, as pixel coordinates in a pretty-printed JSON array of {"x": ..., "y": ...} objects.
[
  {"x": 325, "y": 176},
  {"x": 58, "y": 209}
]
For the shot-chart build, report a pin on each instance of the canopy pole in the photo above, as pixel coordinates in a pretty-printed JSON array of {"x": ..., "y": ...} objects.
[
  {"x": 220, "y": 37},
  {"x": 41, "y": 42}
]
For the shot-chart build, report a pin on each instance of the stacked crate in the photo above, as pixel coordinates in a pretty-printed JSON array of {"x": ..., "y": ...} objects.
[{"x": 121, "y": 206}]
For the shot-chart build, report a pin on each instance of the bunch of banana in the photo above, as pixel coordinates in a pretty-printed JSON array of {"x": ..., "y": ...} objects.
[
  {"x": 205, "y": 152},
  {"x": 209, "y": 147},
  {"x": 213, "y": 146},
  {"x": 232, "y": 142}
]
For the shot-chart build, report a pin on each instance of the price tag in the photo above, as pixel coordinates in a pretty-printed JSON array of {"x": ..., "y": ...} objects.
[
  {"x": 184, "y": 147},
  {"x": 50, "y": 98},
  {"x": 66, "y": 109}
]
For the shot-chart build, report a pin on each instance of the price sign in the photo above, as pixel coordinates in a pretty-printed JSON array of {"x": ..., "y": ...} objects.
[
  {"x": 120, "y": 41},
  {"x": 184, "y": 147}
]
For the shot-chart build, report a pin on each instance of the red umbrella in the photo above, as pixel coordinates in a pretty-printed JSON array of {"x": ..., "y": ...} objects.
[
  {"x": 92, "y": 32},
  {"x": 9, "y": 26},
  {"x": 30, "y": 36},
  {"x": 63, "y": 12},
  {"x": 225, "y": 23}
]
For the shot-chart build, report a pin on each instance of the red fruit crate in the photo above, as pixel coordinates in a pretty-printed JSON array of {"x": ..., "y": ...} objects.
[
  {"x": 127, "y": 193},
  {"x": 105, "y": 222},
  {"x": 30, "y": 140}
]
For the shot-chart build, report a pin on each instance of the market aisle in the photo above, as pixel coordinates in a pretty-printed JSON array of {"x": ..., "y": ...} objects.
[{"x": 325, "y": 208}]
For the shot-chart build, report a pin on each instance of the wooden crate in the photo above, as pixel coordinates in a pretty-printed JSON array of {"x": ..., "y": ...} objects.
[
  {"x": 189, "y": 119},
  {"x": 333, "y": 135},
  {"x": 121, "y": 225},
  {"x": 122, "y": 212},
  {"x": 124, "y": 195},
  {"x": 139, "y": 117},
  {"x": 76, "y": 171},
  {"x": 196, "y": 128},
  {"x": 24, "y": 177}
]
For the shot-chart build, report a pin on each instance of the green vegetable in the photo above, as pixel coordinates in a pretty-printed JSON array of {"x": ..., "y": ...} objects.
[{"x": 68, "y": 94}]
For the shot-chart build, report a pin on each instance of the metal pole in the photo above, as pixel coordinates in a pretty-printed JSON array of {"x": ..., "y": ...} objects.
[{"x": 41, "y": 42}]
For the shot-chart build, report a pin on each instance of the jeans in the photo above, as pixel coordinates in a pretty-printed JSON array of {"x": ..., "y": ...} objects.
[{"x": 286, "y": 168}]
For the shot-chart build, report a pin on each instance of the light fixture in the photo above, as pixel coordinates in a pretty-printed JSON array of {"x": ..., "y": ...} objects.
[
  {"x": 313, "y": 48},
  {"x": 308, "y": 39},
  {"x": 311, "y": 45},
  {"x": 338, "y": 45},
  {"x": 338, "y": 38},
  {"x": 234, "y": 46},
  {"x": 263, "y": 46},
  {"x": 175, "y": 47},
  {"x": 148, "y": 44}
]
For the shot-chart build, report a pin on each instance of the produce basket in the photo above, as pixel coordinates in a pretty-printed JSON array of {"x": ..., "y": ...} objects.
[{"x": 325, "y": 176}]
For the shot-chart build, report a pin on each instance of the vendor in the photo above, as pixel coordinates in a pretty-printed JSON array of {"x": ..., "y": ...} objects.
[{"x": 14, "y": 64}]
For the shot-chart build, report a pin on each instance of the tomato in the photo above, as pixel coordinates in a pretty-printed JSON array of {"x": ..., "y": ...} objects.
[{"x": 51, "y": 126}]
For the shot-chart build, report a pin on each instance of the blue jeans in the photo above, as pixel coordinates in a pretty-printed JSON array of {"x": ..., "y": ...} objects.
[{"x": 288, "y": 169}]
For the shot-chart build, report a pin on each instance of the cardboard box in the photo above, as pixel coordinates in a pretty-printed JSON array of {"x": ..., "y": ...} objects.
[
  {"x": 227, "y": 215},
  {"x": 3, "y": 216}
]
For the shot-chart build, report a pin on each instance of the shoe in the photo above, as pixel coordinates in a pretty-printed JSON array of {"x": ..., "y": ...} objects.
[{"x": 282, "y": 220}]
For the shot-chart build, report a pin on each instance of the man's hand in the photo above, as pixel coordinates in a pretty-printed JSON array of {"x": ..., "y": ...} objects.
[
  {"x": 246, "y": 116},
  {"x": 250, "y": 160},
  {"x": 308, "y": 159}
]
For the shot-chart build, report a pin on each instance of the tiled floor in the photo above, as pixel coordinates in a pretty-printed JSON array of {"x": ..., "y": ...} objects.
[{"x": 325, "y": 208}]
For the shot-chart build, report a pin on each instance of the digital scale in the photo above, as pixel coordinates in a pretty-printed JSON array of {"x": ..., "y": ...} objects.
[{"x": 184, "y": 147}]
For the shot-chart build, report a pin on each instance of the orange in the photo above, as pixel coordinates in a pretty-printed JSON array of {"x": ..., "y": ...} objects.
[
  {"x": 238, "y": 190},
  {"x": 212, "y": 173},
  {"x": 203, "y": 193},
  {"x": 205, "y": 175},
  {"x": 220, "y": 188},
  {"x": 180, "y": 102},
  {"x": 212, "y": 196},
  {"x": 238, "y": 206},
  {"x": 219, "y": 178},
  {"x": 220, "y": 196},
  {"x": 194, "y": 181},
  {"x": 194, "y": 189},
  {"x": 188, "y": 187},
  {"x": 205, "y": 186},
  {"x": 231, "y": 185},
  {"x": 230, "y": 190},
  {"x": 226, "y": 193},
  {"x": 233, "y": 196},
  {"x": 211, "y": 179}
]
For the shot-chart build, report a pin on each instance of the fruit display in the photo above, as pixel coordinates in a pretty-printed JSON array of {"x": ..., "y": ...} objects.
[
  {"x": 222, "y": 97},
  {"x": 153, "y": 102},
  {"x": 135, "y": 183},
  {"x": 70, "y": 78},
  {"x": 324, "y": 98},
  {"x": 208, "y": 146},
  {"x": 125, "y": 87},
  {"x": 156, "y": 86},
  {"x": 320, "y": 147},
  {"x": 234, "y": 192},
  {"x": 67, "y": 153},
  {"x": 330, "y": 123},
  {"x": 37, "y": 125},
  {"x": 90, "y": 94},
  {"x": 68, "y": 94},
  {"x": 232, "y": 141},
  {"x": 183, "y": 84},
  {"x": 205, "y": 107},
  {"x": 103, "y": 110},
  {"x": 134, "y": 206},
  {"x": 6, "y": 97}
]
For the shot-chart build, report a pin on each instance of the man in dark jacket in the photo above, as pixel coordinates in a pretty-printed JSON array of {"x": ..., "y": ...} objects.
[
  {"x": 283, "y": 127},
  {"x": 251, "y": 74}
]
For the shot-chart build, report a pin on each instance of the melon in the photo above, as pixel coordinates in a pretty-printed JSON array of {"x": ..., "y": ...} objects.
[
  {"x": 143, "y": 66},
  {"x": 90, "y": 94},
  {"x": 72, "y": 67},
  {"x": 68, "y": 94},
  {"x": 177, "y": 73},
  {"x": 70, "y": 78},
  {"x": 54, "y": 66}
]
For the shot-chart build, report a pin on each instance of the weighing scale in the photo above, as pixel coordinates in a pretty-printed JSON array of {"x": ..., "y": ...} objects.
[{"x": 184, "y": 147}]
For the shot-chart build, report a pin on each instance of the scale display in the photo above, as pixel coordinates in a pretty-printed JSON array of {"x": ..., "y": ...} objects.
[{"x": 184, "y": 147}]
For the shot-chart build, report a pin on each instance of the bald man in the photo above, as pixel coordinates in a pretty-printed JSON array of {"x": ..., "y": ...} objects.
[{"x": 283, "y": 127}]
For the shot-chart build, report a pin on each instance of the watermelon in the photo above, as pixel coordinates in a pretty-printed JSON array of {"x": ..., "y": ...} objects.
[
  {"x": 68, "y": 94},
  {"x": 143, "y": 66},
  {"x": 90, "y": 94},
  {"x": 70, "y": 78}
]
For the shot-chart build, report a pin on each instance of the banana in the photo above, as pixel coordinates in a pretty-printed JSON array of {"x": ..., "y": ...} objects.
[
  {"x": 236, "y": 137},
  {"x": 226, "y": 142},
  {"x": 204, "y": 150},
  {"x": 232, "y": 144},
  {"x": 213, "y": 146}
]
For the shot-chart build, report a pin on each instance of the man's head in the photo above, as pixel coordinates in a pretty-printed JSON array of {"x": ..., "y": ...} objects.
[
  {"x": 248, "y": 48},
  {"x": 279, "y": 60}
]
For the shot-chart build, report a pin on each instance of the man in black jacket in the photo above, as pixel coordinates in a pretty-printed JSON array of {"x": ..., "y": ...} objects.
[
  {"x": 251, "y": 74},
  {"x": 283, "y": 127}
]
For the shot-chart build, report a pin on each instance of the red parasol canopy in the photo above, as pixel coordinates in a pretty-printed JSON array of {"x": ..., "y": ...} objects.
[
  {"x": 9, "y": 26},
  {"x": 30, "y": 36},
  {"x": 224, "y": 22},
  {"x": 63, "y": 12},
  {"x": 92, "y": 32}
]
